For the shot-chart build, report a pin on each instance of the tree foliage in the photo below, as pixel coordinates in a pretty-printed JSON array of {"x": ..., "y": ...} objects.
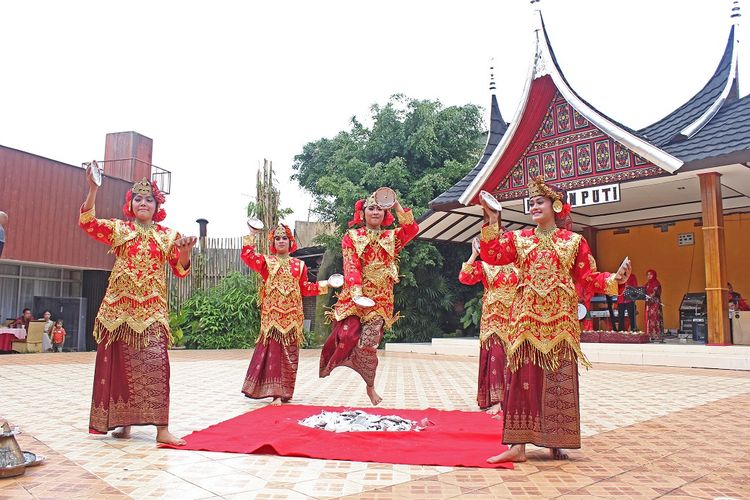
[{"x": 419, "y": 149}]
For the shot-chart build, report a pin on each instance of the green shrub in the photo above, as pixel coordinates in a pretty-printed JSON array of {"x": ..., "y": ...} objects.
[{"x": 226, "y": 316}]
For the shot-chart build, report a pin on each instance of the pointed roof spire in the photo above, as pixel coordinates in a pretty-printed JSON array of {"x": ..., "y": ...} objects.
[
  {"x": 735, "y": 15},
  {"x": 492, "y": 75}
]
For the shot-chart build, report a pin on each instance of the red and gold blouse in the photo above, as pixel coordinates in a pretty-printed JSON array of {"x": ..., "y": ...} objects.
[
  {"x": 500, "y": 284},
  {"x": 136, "y": 297},
  {"x": 284, "y": 284},
  {"x": 371, "y": 269},
  {"x": 544, "y": 323}
]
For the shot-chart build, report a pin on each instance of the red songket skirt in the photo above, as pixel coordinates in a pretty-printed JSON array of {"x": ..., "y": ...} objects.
[
  {"x": 131, "y": 384},
  {"x": 541, "y": 407},
  {"x": 273, "y": 370},
  {"x": 353, "y": 344},
  {"x": 491, "y": 384}
]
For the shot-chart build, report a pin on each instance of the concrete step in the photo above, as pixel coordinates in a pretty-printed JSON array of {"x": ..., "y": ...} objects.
[{"x": 691, "y": 356}]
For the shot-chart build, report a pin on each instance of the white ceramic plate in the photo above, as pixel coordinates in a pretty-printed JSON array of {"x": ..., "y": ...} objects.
[
  {"x": 491, "y": 201},
  {"x": 336, "y": 280},
  {"x": 96, "y": 174},
  {"x": 385, "y": 197},
  {"x": 256, "y": 224},
  {"x": 581, "y": 312},
  {"x": 364, "y": 301}
]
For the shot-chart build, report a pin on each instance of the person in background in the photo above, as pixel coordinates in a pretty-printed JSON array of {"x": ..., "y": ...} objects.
[
  {"x": 48, "y": 325},
  {"x": 3, "y": 223},
  {"x": 654, "y": 312},
  {"x": 58, "y": 336},
  {"x": 23, "y": 320},
  {"x": 625, "y": 304},
  {"x": 736, "y": 302}
]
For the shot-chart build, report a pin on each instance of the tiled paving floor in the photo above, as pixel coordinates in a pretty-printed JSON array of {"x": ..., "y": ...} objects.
[{"x": 649, "y": 432}]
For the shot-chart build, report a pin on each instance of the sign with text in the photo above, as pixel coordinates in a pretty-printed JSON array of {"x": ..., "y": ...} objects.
[{"x": 585, "y": 197}]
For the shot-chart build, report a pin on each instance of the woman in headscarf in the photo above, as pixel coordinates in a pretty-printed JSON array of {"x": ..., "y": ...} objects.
[{"x": 654, "y": 311}]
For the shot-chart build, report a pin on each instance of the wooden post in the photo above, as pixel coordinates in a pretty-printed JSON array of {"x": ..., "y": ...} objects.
[{"x": 715, "y": 259}]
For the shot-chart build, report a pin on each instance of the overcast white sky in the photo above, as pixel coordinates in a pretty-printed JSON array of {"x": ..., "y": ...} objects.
[{"x": 221, "y": 85}]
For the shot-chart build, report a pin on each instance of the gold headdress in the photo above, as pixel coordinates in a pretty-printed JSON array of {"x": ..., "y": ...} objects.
[
  {"x": 280, "y": 231},
  {"x": 370, "y": 201},
  {"x": 143, "y": 188},
  {"x": 537, "y": 187}
]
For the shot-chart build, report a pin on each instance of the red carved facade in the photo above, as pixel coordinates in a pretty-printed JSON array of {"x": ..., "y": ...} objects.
[{"x": 571, "y": 153}]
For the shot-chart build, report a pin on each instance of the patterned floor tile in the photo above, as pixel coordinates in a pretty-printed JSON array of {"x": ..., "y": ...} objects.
[{"x": 642, "y": 427}]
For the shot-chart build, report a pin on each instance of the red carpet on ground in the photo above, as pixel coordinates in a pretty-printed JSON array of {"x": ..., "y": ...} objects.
[{"x": 457, "y": 438}]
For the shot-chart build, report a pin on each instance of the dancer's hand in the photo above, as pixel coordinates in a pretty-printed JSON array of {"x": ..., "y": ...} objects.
[
  {"x": 90, "y": 175},
  {"x": 490, "y": 215},
  {"x": 186, "y": 244},
  {"x": 624, "y": 272}
]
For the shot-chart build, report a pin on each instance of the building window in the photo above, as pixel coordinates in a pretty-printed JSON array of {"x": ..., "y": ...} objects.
[{"x": 19, "y": 284}]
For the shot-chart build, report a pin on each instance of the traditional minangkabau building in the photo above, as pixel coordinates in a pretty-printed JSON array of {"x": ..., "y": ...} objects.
[{"x": 673, "y": 196}]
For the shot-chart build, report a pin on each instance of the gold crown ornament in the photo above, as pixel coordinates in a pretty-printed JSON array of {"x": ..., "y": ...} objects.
[
  {"x": 279, "y": 231},
  {"x": 370, "y": 201},
  {"x": 537, "y": 187},
  {"x": 143, "y": 188}
]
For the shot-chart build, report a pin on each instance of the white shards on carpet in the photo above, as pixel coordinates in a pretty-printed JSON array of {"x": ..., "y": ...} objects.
[{"x": 361, "y": 421}]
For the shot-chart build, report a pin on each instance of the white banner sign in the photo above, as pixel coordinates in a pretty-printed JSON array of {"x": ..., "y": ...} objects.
[{"x": 585, "y": 197}]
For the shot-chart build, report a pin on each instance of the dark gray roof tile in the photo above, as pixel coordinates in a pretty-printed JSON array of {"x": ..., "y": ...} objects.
[
  {"x": 727, "y": 133},
  {"x": 664, "y": 131}
]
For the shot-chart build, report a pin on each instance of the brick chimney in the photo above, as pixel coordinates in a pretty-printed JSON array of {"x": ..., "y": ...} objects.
[{"x": 127, "y": 155}]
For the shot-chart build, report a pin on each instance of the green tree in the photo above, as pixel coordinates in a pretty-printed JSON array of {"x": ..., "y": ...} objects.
[{"x": 419, "y": 149}]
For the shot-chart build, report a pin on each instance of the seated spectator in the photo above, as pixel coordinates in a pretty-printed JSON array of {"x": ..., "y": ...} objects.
[{"x": 23, "y": 320}]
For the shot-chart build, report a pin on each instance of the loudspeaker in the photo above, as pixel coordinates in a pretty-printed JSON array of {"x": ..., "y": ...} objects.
[
  {"x": 699, "y": 330},
  {"x": 741, "y": 327},
  {"x": 72, "y": 312}
]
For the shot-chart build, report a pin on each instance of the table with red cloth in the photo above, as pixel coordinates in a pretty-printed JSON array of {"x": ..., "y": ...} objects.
[{"x": 8, "y": 335}]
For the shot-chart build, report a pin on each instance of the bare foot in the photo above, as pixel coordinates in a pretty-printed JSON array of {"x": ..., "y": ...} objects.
[
  {"x": 494, "y": 409},
  {"x": 516, "y": 453},
  {"x": 164, "y": 436},
  {"x": 374, "y": 396},
  {"x": 121, "y": 432},
  {"x": 558, "y": 454},
  {"x": 276, "y": 402}
]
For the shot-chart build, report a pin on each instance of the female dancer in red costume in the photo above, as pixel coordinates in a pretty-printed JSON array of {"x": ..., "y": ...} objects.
[
  {"x": 131, "y": 375},
  {"x": 273, "y": 368},
  {"x": 370, "y": 270},
  {"x": 541, "y": 396},
  {"x": 500, "y": 284}
]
